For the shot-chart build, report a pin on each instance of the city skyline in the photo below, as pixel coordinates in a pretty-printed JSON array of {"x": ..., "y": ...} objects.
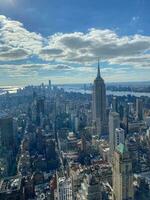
[
  {"x": 74, "y": 100},
  {"x": 62, "y": 41}
]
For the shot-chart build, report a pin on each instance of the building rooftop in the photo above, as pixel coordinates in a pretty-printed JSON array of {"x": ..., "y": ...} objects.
[
  {"x": 10, "y": 184},
  {"x": 121, "y": 148},
  {"x": 42, "y": 191},
  {"x": 114, "y": 114}
]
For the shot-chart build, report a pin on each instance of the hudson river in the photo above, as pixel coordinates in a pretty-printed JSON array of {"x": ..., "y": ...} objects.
[{"x": 13, "y": 89}]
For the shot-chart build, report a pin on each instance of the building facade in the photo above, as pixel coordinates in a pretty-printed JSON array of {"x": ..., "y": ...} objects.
[
  {"x": 119, "y": 136},
  {"x": 64, "y": 189},
  {"x": 139, "y": 109},
  {"x": 99, "y": 104},
  {"x": 122, "y": 174},
  {"x": 114, "y": 122},
  {"x": 6, "y": 131},
  {"x": 91, "y": 189}
]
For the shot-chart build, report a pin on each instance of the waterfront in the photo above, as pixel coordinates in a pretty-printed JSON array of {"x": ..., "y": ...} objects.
[
  {"x": 78, "y": 88},
  {"x": 115, "y": 93}
]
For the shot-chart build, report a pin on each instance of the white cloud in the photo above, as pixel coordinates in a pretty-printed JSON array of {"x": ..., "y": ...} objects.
[
  {"x": 138, "y": 61},
  {"x": 75, "y": 47},
  {"x": 13, "y": 54},
  {"x": 33, "y": 69},
  {"x": 106, "y": 44},
  {"x": 17, "y": 43}
]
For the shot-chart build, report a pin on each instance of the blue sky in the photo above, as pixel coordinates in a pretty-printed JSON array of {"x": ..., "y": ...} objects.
[{"x": 62, "y": 39}]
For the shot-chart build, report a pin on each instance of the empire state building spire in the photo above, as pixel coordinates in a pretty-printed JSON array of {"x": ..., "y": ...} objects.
[
  {"x": 98, "y": 70},
  {"x": 99, "y": 104}
]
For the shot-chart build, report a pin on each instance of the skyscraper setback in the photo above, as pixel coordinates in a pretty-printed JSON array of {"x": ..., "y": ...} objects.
[{"x": 99, "y": 104}]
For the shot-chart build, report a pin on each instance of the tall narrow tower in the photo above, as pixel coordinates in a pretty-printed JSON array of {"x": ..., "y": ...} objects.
[
  {"x": 139, "y": 109},
  {"x": 114, "y": 122},
  {"x": 6, "y": 131},
  {"x": 99, "y": 104},
  {"x": 122, "y": 174}
]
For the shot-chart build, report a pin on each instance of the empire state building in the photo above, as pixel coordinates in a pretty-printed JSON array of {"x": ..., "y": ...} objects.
[{"x": 99, "y": 104}]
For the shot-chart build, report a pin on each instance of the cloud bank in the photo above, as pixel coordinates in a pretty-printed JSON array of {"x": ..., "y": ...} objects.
[{"x": 67, "y": 49}]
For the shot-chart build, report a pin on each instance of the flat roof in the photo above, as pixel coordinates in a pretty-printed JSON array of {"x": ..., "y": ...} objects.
[{"x": 10, "y": 184}]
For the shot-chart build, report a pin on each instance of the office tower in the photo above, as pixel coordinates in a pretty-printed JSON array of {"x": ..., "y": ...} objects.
[
  {"x": 122, "y": 174},
  {"x": 40, "y": 104},
  {"x": 114, "y": 104},
  {"x": 126, "y": 118},
  {"x": 114, "y": 122},
  {"x": 76, "y": 124},
  {"x": 64, "y": 189},
  {"x": 7, "y": 144},
  {"x": 40, "y": 109},
  {"x": 6, "y": 131},
  {"x": 131, "y": 108},
  {"x": 49, "y": 85},
  {"x": 139, "y": 109},
  {"x": 119, "y": 136},
  {"x": 91, "y": 188},
  {"x": 99, "y": 104},
  {"x": 121, "y": 112},
  {"x": 50, "y": 149},
  {"x": 83, "y": 143}
]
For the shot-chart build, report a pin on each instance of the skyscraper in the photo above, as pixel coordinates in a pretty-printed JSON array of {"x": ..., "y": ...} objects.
[
  {"x": 139, "y": 109},
  {"x": 6, "y": 131},
  {"x": 122, "y": 174},
  {"x": 119, "y": 136},
  {"x": 99, "y": 104},
  {"x": 49, "y": 85},
  {"x": 114, "y": 104},
  {"x": 91, "y": 188},
  {"x": 114, "y": 122},
  {"x": 7, "y": 144},
  {"x": 40, "y": 109},
  {"x": 64, "y": 189}
]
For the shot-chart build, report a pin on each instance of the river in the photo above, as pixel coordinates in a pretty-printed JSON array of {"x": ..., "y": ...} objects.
[{"x": 13, "y": 89}]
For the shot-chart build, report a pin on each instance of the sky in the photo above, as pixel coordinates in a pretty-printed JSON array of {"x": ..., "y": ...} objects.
[{"x": 62, "y": 40}]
